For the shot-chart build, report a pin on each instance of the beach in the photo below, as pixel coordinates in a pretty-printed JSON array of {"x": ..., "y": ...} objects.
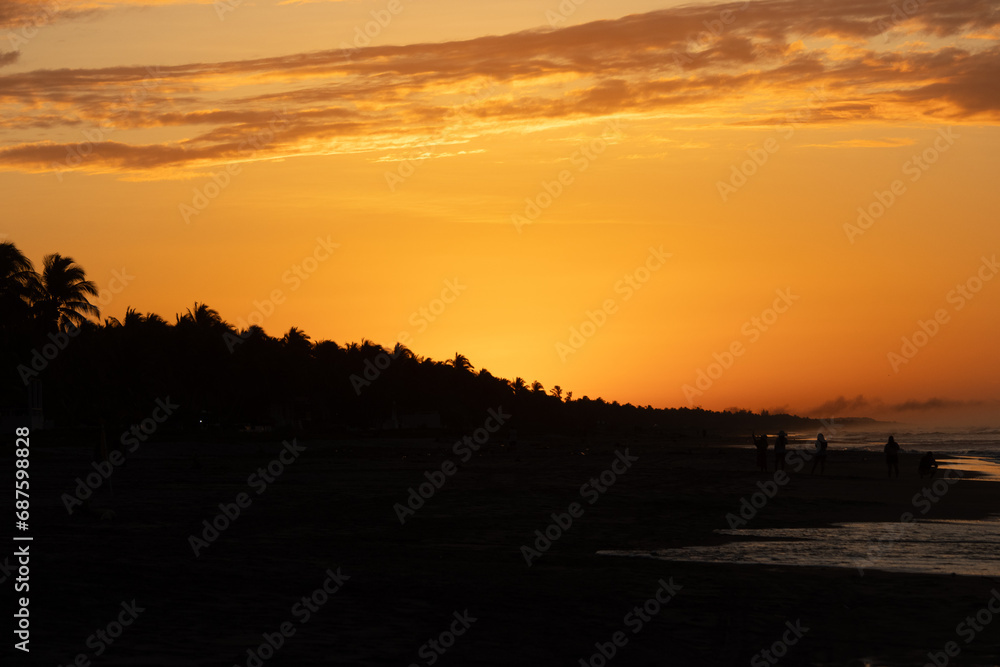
[{"x": 338, "y": 563}]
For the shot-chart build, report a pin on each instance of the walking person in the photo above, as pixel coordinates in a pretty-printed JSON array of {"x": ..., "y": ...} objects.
[
  {"x": 892, "y": 456},
  {"x": 779, "y": 451},
  {"x": 820, "y": 455},
  {"x": 761, "y": 445}
]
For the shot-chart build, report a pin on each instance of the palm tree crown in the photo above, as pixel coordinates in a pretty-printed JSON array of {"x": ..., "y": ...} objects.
[
  {"x": 17, "y": 283},
  {"x": 60, "y": 293}
]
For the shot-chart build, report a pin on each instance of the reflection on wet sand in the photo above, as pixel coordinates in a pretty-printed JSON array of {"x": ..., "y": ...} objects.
[{"x": 939, "y": 547}]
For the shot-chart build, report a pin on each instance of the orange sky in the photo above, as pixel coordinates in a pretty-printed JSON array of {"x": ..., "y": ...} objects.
[{"x": 667, "y": 171}]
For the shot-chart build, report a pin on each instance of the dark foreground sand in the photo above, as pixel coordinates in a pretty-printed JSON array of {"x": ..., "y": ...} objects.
[{"x": 333, "y": 508}]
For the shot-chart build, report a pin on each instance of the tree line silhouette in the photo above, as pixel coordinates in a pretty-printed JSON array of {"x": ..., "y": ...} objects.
[{"x": 112, "y": 371}]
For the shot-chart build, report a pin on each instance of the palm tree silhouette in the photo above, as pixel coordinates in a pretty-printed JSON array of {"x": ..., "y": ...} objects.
[
  {"x": 298, "y": 342},
  {"x": 461, "y": 363},
  {"x": 60, "y": 294},
  {"x": 133, "y": 318},
  {"x": 204, "y": 318},
  {"x": 400, "y": 351},
  {"x": 111, "y": 372},
  {"x": 18, "y": 281},
  {"x": 370, "y": 349}
]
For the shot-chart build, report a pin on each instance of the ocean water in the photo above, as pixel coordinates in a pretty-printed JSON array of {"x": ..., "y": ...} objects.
[
  {"x": 984, "y": 442},
  {"x": 976, "y": 450},
  {"x": 939, "y": 547}
]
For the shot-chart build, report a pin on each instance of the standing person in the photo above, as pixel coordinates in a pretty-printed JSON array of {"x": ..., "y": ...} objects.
[
  {"x": 779, "y": 451},
  {"x": 892, "y": 456},
  {"x": 820, "y": 454},
  {"x": 761, "y": 445}
]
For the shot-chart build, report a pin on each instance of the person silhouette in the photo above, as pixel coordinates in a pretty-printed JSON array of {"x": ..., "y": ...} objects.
[
  {"x": 761, "y": 445},
  {"x": 820, "y": 455},
  {"x": 928, "y": 465},
  {"x": 779, "y": 451},
  {"x": 891, "y": 450}
]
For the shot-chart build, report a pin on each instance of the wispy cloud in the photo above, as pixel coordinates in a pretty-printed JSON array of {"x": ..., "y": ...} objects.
[
  {"x": 33, "y": 13},
  {"x": 757, "y": 69},
  {"x": 16, "y": 13},
  {"x": 888, "y": 142}
]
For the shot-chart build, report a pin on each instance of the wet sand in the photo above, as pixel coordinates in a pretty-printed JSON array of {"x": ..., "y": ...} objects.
[{"x": 333, "y": 507}]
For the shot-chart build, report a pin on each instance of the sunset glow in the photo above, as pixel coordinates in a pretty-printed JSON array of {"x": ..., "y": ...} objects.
[{"x": 775, "y": 204}]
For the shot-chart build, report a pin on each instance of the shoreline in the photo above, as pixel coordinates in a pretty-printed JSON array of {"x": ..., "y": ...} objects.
[{"x": 461, "y": 549}]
